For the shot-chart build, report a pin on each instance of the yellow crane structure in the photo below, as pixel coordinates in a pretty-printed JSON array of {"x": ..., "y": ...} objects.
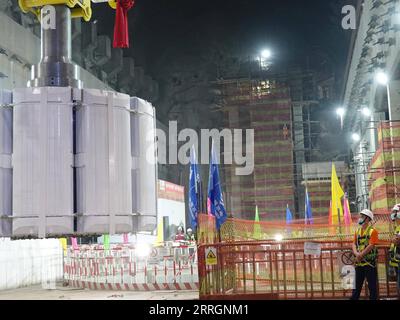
[{"x": 79, "y": 8}]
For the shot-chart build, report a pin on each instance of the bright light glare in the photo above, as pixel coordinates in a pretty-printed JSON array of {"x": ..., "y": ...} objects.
[
  {"x": 278, "y": 237},
  {"x": 340, "y": 112},
  {"x": 266, "y": 54},
  {"x": 143, "y": 250},
  {"x": 366, "y": 111},
  {"x": 355, "y": 137},
  {"x": 382, "y": 78}
]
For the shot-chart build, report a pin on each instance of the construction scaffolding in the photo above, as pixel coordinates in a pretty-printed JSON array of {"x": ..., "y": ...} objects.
[
  {"x": 265, "y": 106},
  {"x": 317, "y": 180},
  {"x": 319, "y": 192},
  {"x": 384, "y": 169}
]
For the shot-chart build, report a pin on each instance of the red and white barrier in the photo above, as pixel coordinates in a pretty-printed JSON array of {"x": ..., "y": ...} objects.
[
  {"x": 134, "y": 286},
  {"x": 119, "y": 268}
]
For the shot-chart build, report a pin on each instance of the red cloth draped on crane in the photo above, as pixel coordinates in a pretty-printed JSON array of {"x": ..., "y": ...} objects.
[{"x": 121, "y": 33}]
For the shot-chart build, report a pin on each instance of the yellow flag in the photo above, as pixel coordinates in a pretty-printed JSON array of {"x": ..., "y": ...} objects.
[
  {"x": 257, "y": 227},
  {"x": 337, "y": 194},
  {"x": 63, "y": 242},
  {"x": 160, "y": 233}
]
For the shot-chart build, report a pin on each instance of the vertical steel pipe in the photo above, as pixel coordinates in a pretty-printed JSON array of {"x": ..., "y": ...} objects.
[{"x": 55, "y": 68}]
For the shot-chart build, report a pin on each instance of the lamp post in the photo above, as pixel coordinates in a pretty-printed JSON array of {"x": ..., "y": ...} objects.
[
  {"x": 383, "y": 79},
  {"x": 340, "y": 112}
]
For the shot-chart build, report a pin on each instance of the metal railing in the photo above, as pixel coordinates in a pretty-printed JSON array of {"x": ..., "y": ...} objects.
[{"x": 283, "y": 271}]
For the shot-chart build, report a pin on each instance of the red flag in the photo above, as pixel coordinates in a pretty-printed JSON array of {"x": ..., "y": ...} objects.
[
  {"x": 74, "y": 243},
  {"x": 121, "y": 33},
  {"x": 346, "y": 211}
]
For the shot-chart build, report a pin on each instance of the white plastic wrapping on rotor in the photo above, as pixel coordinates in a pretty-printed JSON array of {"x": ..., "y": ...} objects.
[
  {"x": 42, "y": 161},
  {"x": 111, "y": 149},
  {"x": 102, "y": 163},
  {"x": 144, "y": 163},
  {"x": 5, "y": 162}
]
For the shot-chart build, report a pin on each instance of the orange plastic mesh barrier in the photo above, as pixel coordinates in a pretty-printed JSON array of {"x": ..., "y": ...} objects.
[
  {"x": 246, "y": 230},
  {"x": 206, "y": 231}
]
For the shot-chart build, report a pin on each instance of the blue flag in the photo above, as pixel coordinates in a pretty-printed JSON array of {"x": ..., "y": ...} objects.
[
  {"x": 308, "y": 214},
  {"x": 194, "y": 189},
  {"x": 288, "y": 220},
  {"x": 215, "y": 201},
  {"x": 288, "y": 215}
]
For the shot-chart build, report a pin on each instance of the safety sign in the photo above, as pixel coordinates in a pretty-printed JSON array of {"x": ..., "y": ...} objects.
[
  {"x": 154, "y": 257},
  {"x": 211, "y": 256},
  {"x": 312, "y": 249}
]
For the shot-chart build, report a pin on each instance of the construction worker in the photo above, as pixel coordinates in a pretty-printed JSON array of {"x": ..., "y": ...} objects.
[
  {"x": 365, "y": 240},
  {"x": 190, "y": 235},
  {"x": 180, "y": 236},
  {"x": 394, "y": 251}
]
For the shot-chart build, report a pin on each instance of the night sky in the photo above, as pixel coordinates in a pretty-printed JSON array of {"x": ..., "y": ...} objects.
[{"x": 169, "y": 34}]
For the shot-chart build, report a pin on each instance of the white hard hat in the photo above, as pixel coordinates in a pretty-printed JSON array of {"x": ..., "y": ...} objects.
[
  {"x": 367, "y": 213},
  {"x": 396, "y": 207},
  {"x": 395, "y": 212},
  {"x": 189, "y": 230}
]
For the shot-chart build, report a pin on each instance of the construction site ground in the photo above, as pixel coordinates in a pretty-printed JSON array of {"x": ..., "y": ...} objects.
[{"x": 69, "y": 293}]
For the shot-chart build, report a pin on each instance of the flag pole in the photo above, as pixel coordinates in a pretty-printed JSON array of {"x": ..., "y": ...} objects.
[
  {"x": 201, "y": 197},
  {"x": 198, "y": 197},
  {"x": 340, "y": 224}
]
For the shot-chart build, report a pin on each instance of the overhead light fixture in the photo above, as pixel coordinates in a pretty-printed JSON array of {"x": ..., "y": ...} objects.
[
  {"x": 366, "y": 112},
  {"x": 355, "y": 137},
  {"x": 382, "y": 78},
  {"x": 266, "y": 54},
  {"x": 340, "y": 111}
]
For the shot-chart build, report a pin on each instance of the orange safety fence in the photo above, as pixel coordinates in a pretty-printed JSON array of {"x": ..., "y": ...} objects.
[{"x": 283, "y": 270}]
